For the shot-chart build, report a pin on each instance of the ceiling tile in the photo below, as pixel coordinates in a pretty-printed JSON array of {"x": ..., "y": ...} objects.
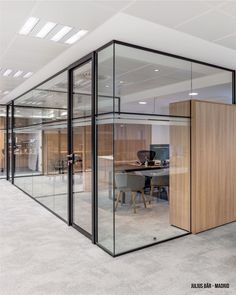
[
  {"x": 80, "y": 14},
  {"x": 230, "y": 8},
  {"x": 229, "y": 42},
  {"x": 12, "y": 16},
  {"x": 168, "y": 13},
  {"x": 210, "y": 26},
  {"x": 215, "y": 3},
  {"x": 115, "y": 5},
  {"x": 30, "y": 51}
]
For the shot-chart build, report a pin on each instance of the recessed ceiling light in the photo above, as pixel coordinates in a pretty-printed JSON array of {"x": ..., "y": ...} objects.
[
  {"x": 17, "y": 74},
  {"x": 28, "y": 26},
  {"x": 5, "y": 92},
  {"x": 107, "y": 86},
  {"x": 60, "y": 34},
  {"x": 121, "y": 82},
  {"x": 193, "y": 93},
  {"x": 156, "y": 70},
  {"x": 45, "y": 29},
  {"x": 142, "y": 102},
  {"x": 76, "y": 37},
  {"x": 7, "y": 72},
  {"x": 28, "y": 75}
]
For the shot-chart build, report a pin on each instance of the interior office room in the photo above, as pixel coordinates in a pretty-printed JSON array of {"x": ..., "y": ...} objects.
[
  {"x": 144, "y": 144},
  {"x": 116, "y": 144},
  {"x": 134, "y": 180}
]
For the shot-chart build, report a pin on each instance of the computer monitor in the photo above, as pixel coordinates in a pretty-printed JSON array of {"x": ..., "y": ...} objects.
[{"x": 162, "y": 151}]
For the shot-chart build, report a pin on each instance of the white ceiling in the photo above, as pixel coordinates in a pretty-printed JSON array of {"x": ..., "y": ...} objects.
[{"x": 214, "y": 21}]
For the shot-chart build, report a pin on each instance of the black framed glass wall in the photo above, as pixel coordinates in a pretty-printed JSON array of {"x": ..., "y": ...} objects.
[
  {"x": 40, "y": 144},
  {"x": 136, "y": 191},
  {"x": 82, "y": 190},
  {"x": 143, "y": 143},
  {"x": 2, "y": 141}
]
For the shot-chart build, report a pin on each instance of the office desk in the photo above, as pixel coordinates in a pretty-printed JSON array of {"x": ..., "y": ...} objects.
[{"x": 134, "y": 168}]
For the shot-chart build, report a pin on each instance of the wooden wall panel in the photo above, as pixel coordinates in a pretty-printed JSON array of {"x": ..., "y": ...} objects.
[
  {"x": 179, "y": 190},
  {"x": 180, "y": 108},
  {"x": 213, "y": 165},
  {"x": 129, "y": 139}
]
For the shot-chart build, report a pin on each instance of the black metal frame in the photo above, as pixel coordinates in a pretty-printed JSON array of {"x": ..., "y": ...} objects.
[
  {"x": 12, "y": 143},
  {"x": 5, "y": 145},
  {"x": 93, "y": 57},
  {"x": 81, "y": 62}
]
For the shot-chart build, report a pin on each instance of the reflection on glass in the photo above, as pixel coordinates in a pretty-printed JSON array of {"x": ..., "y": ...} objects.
[
  {"x": 148, "y": 82},
  {"x": 104, "y": 136},
  {"x": 211, "y": 84},
  {"x": 105, "y": 81},
  {"x": 105, "y": 184},
  {"x": 82, "y": 167},
  {"x": 145, "y": 180},
  {"x": 40, "y": 149},
  {"x": 2, "y": 141}
]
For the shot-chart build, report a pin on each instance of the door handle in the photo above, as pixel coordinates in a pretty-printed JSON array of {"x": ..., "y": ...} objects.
[{"x": 70, "y": 159}]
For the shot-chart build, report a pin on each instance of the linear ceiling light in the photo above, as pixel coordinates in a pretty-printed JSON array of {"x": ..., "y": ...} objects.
[
  {"x": 60, "y": 34},
  {"x": 45, "y": 29},
  {"x": 28, "y": 26},
  {"x": 17, "y": 74},
  {"x": 5, "y": 92},
  {"x": 76, "y": 37},
  {"x": 193, "y": 93},
  {"x": 7, "y": 73},
  {"x": 28, "y": 75}
]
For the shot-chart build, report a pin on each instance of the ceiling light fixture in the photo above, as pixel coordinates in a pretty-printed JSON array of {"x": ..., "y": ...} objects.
[
  {"x": 28, "y": 26},
  {"x": 121, "y": 82},
  {"x": 60, "y": 34},
  {"x": 156, "y": 70},
  {"x": 5, "y": 92},
  {"x": 7, "y": 73},
  {"x": 107, "y": 86},
  {"x": 76, "y": 37},
  {"x": 193, "y": 93},
  {"x": 45, "y": 29},
  {"x": 142, "y": 102},
  {"x": 28, "y": 75},
  {"x": 18, "y": 74}
]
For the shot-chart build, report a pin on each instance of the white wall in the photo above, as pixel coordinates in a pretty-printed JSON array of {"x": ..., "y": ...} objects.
[{"x": 160, "y": 134}]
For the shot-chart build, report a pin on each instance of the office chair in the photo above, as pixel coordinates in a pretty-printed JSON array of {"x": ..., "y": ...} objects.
[
  {"x": 159, "y": 182},
  {"x": 146, "y": 155},
  {"x": 130, "y": 183}
]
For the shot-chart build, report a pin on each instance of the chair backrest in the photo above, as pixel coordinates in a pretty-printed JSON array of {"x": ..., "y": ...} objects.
[
  {"x": 162, "y": 180},
  {"x": 130, "y": 181},
  {"x": 145, "y": 155}
]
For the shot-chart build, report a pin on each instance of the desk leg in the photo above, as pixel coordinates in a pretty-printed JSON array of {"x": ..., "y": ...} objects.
[{"x": 123, "y": 197}]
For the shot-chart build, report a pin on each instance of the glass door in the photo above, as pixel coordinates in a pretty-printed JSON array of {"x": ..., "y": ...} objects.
[{"x": 82, "y": 148}]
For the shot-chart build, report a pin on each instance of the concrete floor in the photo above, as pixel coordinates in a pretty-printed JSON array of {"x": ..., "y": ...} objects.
[
  {"x": 40, "y": 255},
  {"x": 131, "y": 230}
]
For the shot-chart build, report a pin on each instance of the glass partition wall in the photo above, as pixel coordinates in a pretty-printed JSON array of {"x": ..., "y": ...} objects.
[
  {"x": 40, "y": 144},
  {"x": 105, "y": 145},
  {"x": 143, "y": 143},
  {"x": 3, "y": 139}
]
